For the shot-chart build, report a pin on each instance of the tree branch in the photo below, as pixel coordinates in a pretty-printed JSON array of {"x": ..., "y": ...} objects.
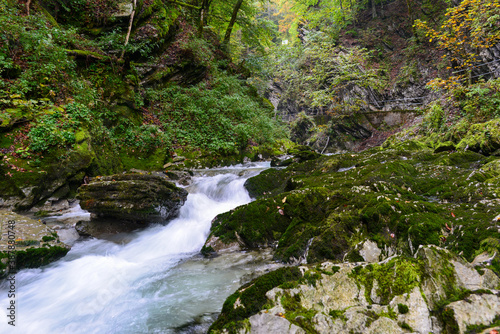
[
  {"x": 184, "y": 4},
  {"x": 84, "y": 53}
]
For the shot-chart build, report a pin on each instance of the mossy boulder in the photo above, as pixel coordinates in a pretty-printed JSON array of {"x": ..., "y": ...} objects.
[
  {"x": 59, "y": 174},
  {"x": 483, "y": 138},
  {"x": 27, "y": 243},
  {"x": 269, "y": 182},
  {"x": 301, "y": 128},
  {"x": 443, "y": 147},
  {"x": 132, "y": 197}
]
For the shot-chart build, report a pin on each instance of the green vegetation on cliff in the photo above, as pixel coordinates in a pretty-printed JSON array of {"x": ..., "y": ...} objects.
[{"x": 75, "y": 87}]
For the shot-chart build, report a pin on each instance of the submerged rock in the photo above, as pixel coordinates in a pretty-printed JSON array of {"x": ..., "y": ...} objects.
[{"x": 136, "y": 198}]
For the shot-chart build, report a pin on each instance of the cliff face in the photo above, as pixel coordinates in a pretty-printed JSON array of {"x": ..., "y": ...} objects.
[
  {"x": 404, "y": 64},
  {"x": 389, "y": 68}
]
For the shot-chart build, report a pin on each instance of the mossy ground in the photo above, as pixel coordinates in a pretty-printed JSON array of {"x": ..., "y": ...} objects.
[{"x": 401, "y": 197}]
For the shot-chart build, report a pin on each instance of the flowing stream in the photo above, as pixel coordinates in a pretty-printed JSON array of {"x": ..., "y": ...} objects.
[{"x": 152, "y": 281}]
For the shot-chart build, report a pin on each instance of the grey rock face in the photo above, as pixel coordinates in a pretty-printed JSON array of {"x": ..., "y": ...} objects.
[{"x": 342, "y": 300}]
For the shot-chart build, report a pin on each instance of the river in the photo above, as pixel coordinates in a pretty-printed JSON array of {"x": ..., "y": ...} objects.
[{"x": 151, "y": 281}]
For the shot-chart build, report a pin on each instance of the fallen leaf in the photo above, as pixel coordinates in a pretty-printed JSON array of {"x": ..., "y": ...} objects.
[
  {"x": 281, "y": 212},
  {"x": 284, "y": 200},
  {"x": 453, "y": 215}
]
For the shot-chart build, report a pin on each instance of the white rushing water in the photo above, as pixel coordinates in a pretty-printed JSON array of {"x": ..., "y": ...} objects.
[{"x": 155, "y": 283}]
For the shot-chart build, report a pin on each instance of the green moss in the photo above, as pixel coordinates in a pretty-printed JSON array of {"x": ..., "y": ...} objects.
[
  {"x": 296, "y": 313},
  {"x": 206, "y": 251},
  {"x": 409, "y": 273},
  {"x": 338, "y": 314},
  {"x": 476, "y": 329},
  {"x": 26, "y": 243},
  {"x": 268, "y": 183},
  {"x": 402, "y": 308},
  {"x": 34, "y": 257},
  {"x": 144, "y": 160},
  {"x": 484, "y": 138},
  {"x": 450, "y": 324},
  {"x": 404, "y": 325}
]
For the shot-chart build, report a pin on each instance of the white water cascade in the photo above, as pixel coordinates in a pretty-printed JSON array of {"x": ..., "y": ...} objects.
[{"x": 155, "y": 281}]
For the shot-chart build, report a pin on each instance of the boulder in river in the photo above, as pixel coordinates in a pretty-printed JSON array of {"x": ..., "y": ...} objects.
[{"x": 137, "y": 198}]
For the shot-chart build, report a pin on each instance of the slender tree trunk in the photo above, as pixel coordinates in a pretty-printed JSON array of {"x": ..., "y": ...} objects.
[
  {"x": 374, "y": 9},
  {"x": 28, "y": 7},
  {"x": 129, "y": 28},
  {"x": 229, "y": 29},
  {"x": 204, "y": 8},
  {"x": 410, "y": 14},
  {"x": 341, "y": 10}
]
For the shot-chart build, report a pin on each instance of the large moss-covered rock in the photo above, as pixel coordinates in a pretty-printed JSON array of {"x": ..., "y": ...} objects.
[
  {"x": 132, "y": 197},
  {"x": 399, "y": 198},
  {"x": 483, "y": 138},
  {"x": 392, "y": 296}
]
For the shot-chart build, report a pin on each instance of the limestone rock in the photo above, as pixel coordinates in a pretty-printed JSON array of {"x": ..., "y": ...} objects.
[
  {"x": 264, "y": 323},
  {"x": 370, "y": 251},
  {"x": 182, "y": 177},
  {"x": 384, "y": 325},
  {"x": 352, "y": 298},
  {"x": 325, "y": 295},
  {"x": 418, "y": 316},
  {"x": 475, "y": 310},
  {"x": 125, "y": 9},
  {"x": 445, "y": 270}
]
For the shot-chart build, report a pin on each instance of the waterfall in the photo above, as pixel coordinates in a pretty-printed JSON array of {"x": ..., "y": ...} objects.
[{"x": 154, "y": 281}]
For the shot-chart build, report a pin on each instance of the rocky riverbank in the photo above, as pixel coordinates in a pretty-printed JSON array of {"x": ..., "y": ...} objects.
[
  {"x": 27, "y": 243},
  {"x": 415, "y": 223},
  {"x": 433, "y": 292}
]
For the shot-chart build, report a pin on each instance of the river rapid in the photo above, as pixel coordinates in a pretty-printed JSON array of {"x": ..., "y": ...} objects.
[{"x": 150, "y": 281}]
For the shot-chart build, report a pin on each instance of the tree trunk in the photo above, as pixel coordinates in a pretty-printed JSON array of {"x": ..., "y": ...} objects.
[
  {"x": 204, "y": 8},
  {"x": 342, "y": 16},
  {"x": 374, "y": 10},
  {"x": 229, "y": 29},
  {"x": 129, "y": 29},
  {"x": 410, "y": 14}
]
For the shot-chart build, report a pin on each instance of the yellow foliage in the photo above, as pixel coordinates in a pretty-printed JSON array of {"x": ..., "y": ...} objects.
[{"x": 472, "y": 25}]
